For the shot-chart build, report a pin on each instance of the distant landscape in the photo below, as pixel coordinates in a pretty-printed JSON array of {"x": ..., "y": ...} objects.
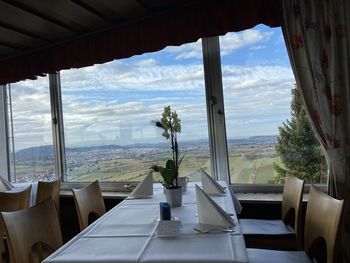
[{"x": 251, "y": 161}]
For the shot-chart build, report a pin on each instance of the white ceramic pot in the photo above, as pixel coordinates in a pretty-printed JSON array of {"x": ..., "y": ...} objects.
[{"x": 174, "y": 196}]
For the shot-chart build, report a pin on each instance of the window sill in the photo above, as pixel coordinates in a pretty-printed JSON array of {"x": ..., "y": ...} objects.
[
  {"x": 108, "y": 195},
  {"x": 265, "y": 198}
]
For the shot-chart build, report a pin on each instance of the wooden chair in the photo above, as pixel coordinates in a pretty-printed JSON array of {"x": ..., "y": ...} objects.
[
  {"x": 49, "y": 190},
  {"x": 285, "y": 234},
  {"x": 33, "y": 233},
  {"x": 11, "y": 201},
  {"x": 322, "y": 225},
  {"x": 89, "y": 204}
]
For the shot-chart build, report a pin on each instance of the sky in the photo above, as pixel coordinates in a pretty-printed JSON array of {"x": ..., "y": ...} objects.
[{"x": 116, "y": 102}]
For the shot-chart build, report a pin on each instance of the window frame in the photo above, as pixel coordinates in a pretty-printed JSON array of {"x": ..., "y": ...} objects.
[
  {"x": 215, "y": 120},
  {"x": 4, "y": 134}
]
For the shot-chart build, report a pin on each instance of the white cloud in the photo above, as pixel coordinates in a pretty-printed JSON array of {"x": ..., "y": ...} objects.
[
  {"x": 233, "y": 41},
  {"x": 258, "y": 47},
  {"x": 146, "y": 62},
  {"x": 120, "y": 75},
  {"x": 228, "y": 44},
  {"x": 106, "y": 101}
]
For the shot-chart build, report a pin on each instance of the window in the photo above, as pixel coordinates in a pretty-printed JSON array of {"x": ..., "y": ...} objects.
[
  {"x": 109, "y": 110},
  {"x": 258, "y": 83},
  {"x": 30, "y": 131}
]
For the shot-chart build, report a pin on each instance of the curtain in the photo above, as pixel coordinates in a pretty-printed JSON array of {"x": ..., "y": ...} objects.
[{"x": 317, "y": 35}]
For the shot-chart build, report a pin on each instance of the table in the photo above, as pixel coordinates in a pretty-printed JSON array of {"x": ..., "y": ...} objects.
[{"x": 127, "y": 233}]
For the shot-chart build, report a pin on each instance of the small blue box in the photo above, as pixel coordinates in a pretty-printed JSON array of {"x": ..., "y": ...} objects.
[{"x": 165, "y": 212}]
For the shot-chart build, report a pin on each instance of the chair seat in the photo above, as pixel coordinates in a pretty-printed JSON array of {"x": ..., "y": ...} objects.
[
  {"x": 277, "y": 256},
  {"x": 265, "y": 227}
]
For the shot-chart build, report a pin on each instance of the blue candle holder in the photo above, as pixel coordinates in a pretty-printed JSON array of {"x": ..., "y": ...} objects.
[{"x": 165, "y": 212}]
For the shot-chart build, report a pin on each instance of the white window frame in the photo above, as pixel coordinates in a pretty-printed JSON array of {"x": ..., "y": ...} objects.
[
  {"x": 215, "y": 108},
  {"x": 4, "y": 135},
  {"x": 215, "y": 118}
]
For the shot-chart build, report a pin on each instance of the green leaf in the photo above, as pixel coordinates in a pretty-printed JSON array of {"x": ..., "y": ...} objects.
[
  {"x": 182, "y": 158},
  {"x": 167, "y": 176}
]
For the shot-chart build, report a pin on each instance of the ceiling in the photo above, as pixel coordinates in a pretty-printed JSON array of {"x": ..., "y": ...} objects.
[
  {"x": 45, "y": 36},
  {"x": 26, "y": 26}
]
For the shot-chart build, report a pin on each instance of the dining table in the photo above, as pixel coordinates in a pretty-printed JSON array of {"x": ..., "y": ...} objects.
[{"x": 130, "y": 232}]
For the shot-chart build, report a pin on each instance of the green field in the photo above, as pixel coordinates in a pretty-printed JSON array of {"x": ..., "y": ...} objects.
[
  {"x": 248, "y": 164},
  {"x": 253, "y": 164}
]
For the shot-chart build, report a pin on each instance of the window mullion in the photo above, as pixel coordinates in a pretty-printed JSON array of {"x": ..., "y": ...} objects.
[
  {"x": 57, "y": 126},
  {"x": 215, "y": 108},
  {"x": 4, "y": 142}
]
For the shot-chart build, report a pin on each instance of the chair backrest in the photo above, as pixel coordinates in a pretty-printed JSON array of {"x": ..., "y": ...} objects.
[
  {"x": 15, "y": 200},
  {"x": 292, "y": 200},
  {"x": 322, "y": 221},
  {"x": 49, "y": 189},
  {"x": 88, "y": 201},
  {"x": 32, "y": 233},
  {"x": 12, "y": 201}
]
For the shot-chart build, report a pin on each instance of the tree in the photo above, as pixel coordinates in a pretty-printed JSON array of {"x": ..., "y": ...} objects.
[{"x": 298, "y": 148}]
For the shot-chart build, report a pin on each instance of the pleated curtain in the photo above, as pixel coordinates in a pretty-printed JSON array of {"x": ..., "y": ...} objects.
[{"x": 317, "y": 35}]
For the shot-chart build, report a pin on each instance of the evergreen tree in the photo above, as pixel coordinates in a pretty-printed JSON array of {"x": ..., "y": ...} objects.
[{"x": 298, "y": 148}]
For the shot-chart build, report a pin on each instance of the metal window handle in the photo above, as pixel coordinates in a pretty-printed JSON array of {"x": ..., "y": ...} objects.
[
  {"x": 128, "y": 187},
  {"x": 220, "y": 114}
]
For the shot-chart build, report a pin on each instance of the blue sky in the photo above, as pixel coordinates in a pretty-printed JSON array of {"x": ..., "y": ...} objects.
[{"x": 114, "y": 103}]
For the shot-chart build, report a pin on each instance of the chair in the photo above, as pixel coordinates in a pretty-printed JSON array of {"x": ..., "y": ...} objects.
[
  {"x": 49, "y": 190},
  {"x": 33, "y": 233},
  {"x": 322, "y": 225},
  {"x": 278, "y": 234},
  {"x": 11, "y": 201},
  {"x": 89, "y": 204},
  {"x": 15, "y": 200}
]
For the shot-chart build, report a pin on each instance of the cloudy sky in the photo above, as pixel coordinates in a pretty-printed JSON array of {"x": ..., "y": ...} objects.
[{"x": 115, "y": 103}]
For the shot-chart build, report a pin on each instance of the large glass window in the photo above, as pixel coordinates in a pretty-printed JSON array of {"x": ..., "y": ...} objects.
[
  {"x": 109, "y": 112},
  {"x": 30, "y": 131},
  {"x": 266, "y": 137}
]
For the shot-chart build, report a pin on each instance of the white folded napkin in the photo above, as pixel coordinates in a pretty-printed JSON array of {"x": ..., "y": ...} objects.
[
  {"x": 236, "y": 202},
  {"x": 144, "y": 188},
  {"x": 210, "y": 186},
  {"x": 5, "y": 185},
  {"x": 210, "y": 213}
]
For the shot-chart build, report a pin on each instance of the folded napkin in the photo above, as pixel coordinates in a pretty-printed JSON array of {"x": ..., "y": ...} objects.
[
  {"x": 236, "y": 202},
  {"x": 210, "y": 186},
  {"x": 5, "y": 185},
  {"x": 210, "y": 213},
  {"x": 144, "y": 188}
]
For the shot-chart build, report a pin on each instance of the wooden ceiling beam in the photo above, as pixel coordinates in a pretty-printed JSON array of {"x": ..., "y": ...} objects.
[
  {"x": 23, "y": 31},
  {"x": 34, "y": 12},
  {"x": 92, "y": 10},
  {"x": 11, "y": 45}
]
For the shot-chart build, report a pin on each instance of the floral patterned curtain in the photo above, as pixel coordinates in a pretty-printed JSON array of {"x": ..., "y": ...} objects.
[{"x": 317, "y": 35}]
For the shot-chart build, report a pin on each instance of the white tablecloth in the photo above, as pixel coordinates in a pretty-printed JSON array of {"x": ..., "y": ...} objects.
[{"x": 128, "y": 233}]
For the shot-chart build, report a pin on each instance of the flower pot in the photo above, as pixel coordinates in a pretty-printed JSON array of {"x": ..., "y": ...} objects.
[{"x": 174, "y": 196}]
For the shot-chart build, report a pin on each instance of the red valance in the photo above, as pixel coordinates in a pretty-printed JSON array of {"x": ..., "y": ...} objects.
[{"x": 204, "y": 19}]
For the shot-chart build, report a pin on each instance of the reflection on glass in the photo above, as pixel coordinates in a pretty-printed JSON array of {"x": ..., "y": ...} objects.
[
  {"x": 30, "y": 139},
  {"x": 109, "y": 111},
  {"x": 257, "y": 82}
]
